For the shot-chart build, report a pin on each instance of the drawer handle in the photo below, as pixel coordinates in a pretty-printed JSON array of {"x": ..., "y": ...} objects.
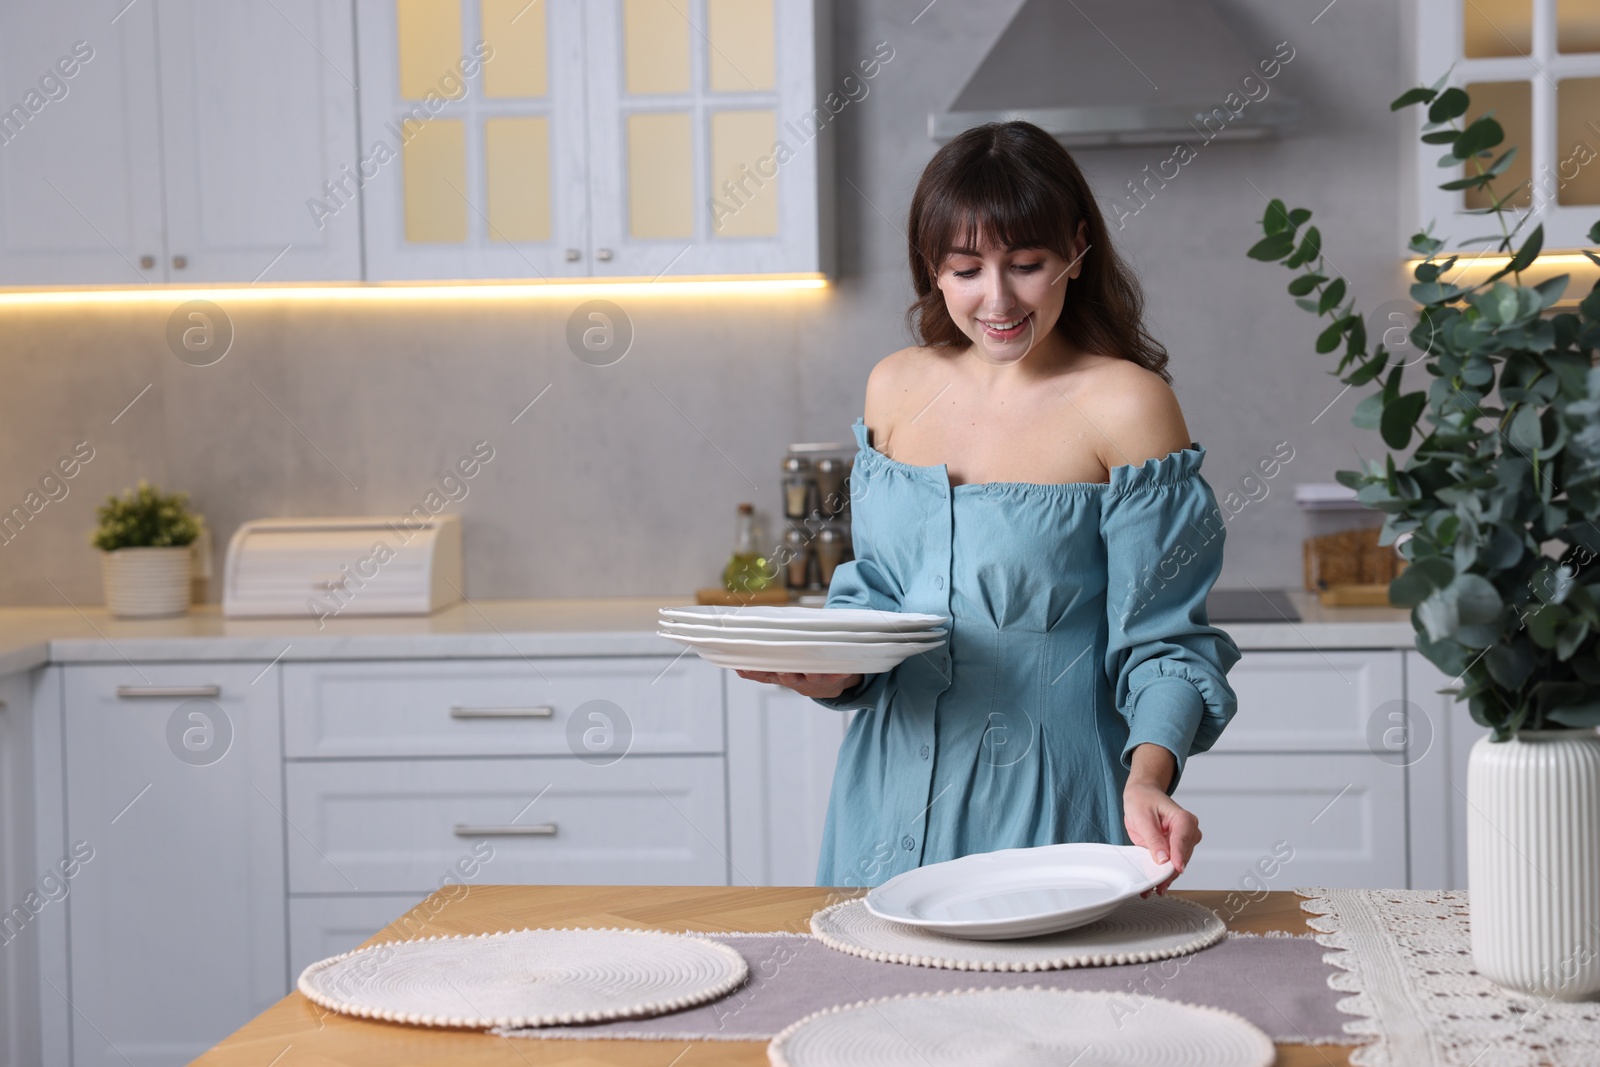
[
  {"x": 541, "y": 829},
  {"x": 502, "y": 713},
  {"x": 153, "y": 692}
]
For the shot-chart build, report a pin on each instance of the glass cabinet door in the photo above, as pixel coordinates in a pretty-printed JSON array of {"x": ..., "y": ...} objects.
[
  {"x": 707, "y": 136},
  {"x": 1535, "y": 64},
  {"x": 473, "y": 139}
]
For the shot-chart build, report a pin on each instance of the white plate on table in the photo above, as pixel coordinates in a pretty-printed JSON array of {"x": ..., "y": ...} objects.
[
  {"x": 762, "y": 633},
  {"x": 859, "y": 620},
  {"x": 805, "y": 657},
  {"x": 1018, "y": 892}
]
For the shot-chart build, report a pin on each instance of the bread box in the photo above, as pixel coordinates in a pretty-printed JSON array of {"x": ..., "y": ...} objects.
[{"x": 321, "y": 568}]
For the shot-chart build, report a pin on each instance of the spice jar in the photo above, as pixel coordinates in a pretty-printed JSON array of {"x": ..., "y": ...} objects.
[
  {"x": 797, "y": 571},
  {"x": 830, "y": 552},
  {"x": 796, "y": 486},
  {"x": 831, "y": 490}
]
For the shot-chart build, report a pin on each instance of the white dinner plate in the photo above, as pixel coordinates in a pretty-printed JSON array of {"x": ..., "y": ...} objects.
[
  {"x": 782, "y": 636},
  {"x": 855, "y": 619},
  {"x": 1018, "y": 892},
  {"x": 805, "y": 657}
]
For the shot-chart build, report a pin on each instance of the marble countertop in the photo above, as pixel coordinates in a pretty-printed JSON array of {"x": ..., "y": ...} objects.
[{"x": 587, "y": 626}]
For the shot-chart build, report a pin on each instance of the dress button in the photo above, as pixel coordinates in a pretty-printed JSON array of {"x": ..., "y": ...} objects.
[
  {"x": 938, "y": 583},
  {"x": 908, "y": 842},
  {"x": 924, "y": 751}
]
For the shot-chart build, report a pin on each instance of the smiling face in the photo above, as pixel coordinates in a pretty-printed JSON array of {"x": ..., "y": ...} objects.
[{"x": 1007, "y": 300}]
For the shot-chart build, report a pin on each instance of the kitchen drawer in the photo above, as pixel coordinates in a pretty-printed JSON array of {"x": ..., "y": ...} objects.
[
  {"x": 1333, "y": 701},
  {"x": 1277, "y": 822},
  {"x": 503, "y": 707},
  {"x": 385, "y": 826}
]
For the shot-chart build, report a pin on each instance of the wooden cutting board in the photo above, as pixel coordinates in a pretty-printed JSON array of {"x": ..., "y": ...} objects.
[{"x": 715, "y": 594}]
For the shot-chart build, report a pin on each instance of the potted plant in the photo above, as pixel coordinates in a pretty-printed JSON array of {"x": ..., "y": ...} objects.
[
  {"x": 1508, "y": 464},
  {"x": 144, "y": 539}
]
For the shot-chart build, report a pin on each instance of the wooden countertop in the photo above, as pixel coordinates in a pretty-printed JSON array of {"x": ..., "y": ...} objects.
[{"x": 295, "y": 1033}]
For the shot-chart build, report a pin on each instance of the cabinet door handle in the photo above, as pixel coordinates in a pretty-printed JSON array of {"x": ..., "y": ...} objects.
[
  {"x": 146, "y": 262},
  {"x": 502, "y": 713},
  {"x": 604, "y": 255},
  {"x": 472, "y": 829},
  {"x": 573, "y": 255},
  {"x": 180, "y": 262},
  {"x": 166, "y": 692}
]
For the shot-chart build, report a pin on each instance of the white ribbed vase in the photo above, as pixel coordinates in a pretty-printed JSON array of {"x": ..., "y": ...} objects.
[
  {"x": 146, "y": 583},
  {"x": 1533, "y": 862}
]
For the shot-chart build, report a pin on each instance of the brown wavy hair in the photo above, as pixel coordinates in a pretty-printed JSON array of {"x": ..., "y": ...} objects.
[{"x": 1018, "y": 185}]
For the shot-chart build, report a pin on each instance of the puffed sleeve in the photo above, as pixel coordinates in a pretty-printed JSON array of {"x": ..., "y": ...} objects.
[
  {"x": 1168, "y": 666},
  {"x": 861, "y": 583}
]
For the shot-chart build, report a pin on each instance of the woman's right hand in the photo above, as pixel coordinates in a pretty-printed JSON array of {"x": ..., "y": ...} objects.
[{"x": 825, "y": 686}]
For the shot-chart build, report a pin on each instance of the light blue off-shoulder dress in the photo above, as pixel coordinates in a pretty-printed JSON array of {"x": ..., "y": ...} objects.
[{"x": 1078, "y": 632}]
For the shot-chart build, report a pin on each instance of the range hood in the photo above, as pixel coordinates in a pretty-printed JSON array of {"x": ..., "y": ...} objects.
[{"x": 1124, "y": 72}]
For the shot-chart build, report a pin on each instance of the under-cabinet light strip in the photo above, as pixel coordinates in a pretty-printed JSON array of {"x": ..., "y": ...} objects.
[{"x": 665, "y": 288}]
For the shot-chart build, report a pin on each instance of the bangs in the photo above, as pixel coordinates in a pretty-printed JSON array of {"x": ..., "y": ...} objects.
[{"x": 991, "y": 200}]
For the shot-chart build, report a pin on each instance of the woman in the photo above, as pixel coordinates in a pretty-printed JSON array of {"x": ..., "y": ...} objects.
[{"x": 1025, "y": 470}]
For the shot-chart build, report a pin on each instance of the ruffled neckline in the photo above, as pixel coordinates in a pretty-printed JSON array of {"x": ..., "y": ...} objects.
[{"x": 1170, "y": 469}]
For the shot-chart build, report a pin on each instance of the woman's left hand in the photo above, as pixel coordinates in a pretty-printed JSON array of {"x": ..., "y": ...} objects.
[{"x": 1155, "y": 821}]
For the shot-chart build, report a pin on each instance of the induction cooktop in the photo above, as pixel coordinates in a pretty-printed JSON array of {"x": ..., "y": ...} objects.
[{"x": 1250, "y": 605}]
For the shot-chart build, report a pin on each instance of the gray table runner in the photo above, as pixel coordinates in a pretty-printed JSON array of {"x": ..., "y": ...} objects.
[{"x": 1278, "y": 983}]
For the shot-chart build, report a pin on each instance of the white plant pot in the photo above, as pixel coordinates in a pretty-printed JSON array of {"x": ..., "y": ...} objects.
[
  {"x": 146, "y": 583},
  {"x": 1533, "y": 862}
]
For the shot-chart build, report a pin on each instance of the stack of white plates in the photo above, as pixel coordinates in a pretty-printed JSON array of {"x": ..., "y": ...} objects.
[{"x": 803, "y": 640}]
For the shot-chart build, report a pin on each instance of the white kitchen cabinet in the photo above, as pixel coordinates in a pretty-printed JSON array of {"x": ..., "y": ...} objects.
[
  {"x": 782, "y": 748},
  {"x": 1443, "y": 738},
  {"x": 80, "y": 146},
  {"x": 557, "y": 138},
  {"x": 1536, "y": 64},
  {"x": 591, "y": 706},
  {"x": 174, "y": 780},
  {"x": 403, "y": 825},
  {"x": 190, "y": 144},
  {"x": 1328, "y": 701},
  {"x": 474, "y": 143},
  {"x": 257, "y": 117},
  {"x": 24, "y": 900},
  {"x": 710, "y": 140},
  {"x": 1340, "y": 817},
  {"x": 324, "y": 926}
]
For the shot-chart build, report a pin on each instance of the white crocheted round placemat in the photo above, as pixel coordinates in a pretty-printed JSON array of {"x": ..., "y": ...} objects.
[
  {"x": 525, "y": 977},
  {"x": 1020, "y": 1028},
  {"x": 1140, "y": 930}
]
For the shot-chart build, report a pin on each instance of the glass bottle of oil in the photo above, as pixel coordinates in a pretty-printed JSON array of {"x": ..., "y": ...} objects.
[{"x": 747, "y": 570}]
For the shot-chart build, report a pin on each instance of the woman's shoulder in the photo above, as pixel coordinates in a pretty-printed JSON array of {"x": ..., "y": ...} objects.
[
  {"x": 895, "y": 379},
  {"x": 1137, "y": 412}
]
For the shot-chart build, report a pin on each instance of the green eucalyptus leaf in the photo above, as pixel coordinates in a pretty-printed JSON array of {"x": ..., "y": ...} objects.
[
  {"x": 1419, "y": 95},
  {"x": 1577, "y": 715},
  {"x": 1273, "y": 247},
  {"x": 1368, "y": 413},
  {"x": 1303, "y": 284},
  {"x": 1329, "y": 338},
  {"x": 1276, "y": 219},
  {"x": 1509, "y": 665},
  {"x": 1525, "y": 431},
  {"x": 1299, "y": 217},
  {"x": 1570, "y": 639},
  {"x": 1477, "y": 599},
  {"x": 1482, "y": 135},
  {"x": 1400, "y": 418},
  {"x": 1419, "y": 580},
  {"x": 1450, "y": 104},
  {"x": 1331, "y": 295},
  {"x": 1435, "y": 292}
]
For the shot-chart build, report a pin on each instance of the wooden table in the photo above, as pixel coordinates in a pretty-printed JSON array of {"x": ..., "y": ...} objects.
[{"x": 295, "y": 1033}]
